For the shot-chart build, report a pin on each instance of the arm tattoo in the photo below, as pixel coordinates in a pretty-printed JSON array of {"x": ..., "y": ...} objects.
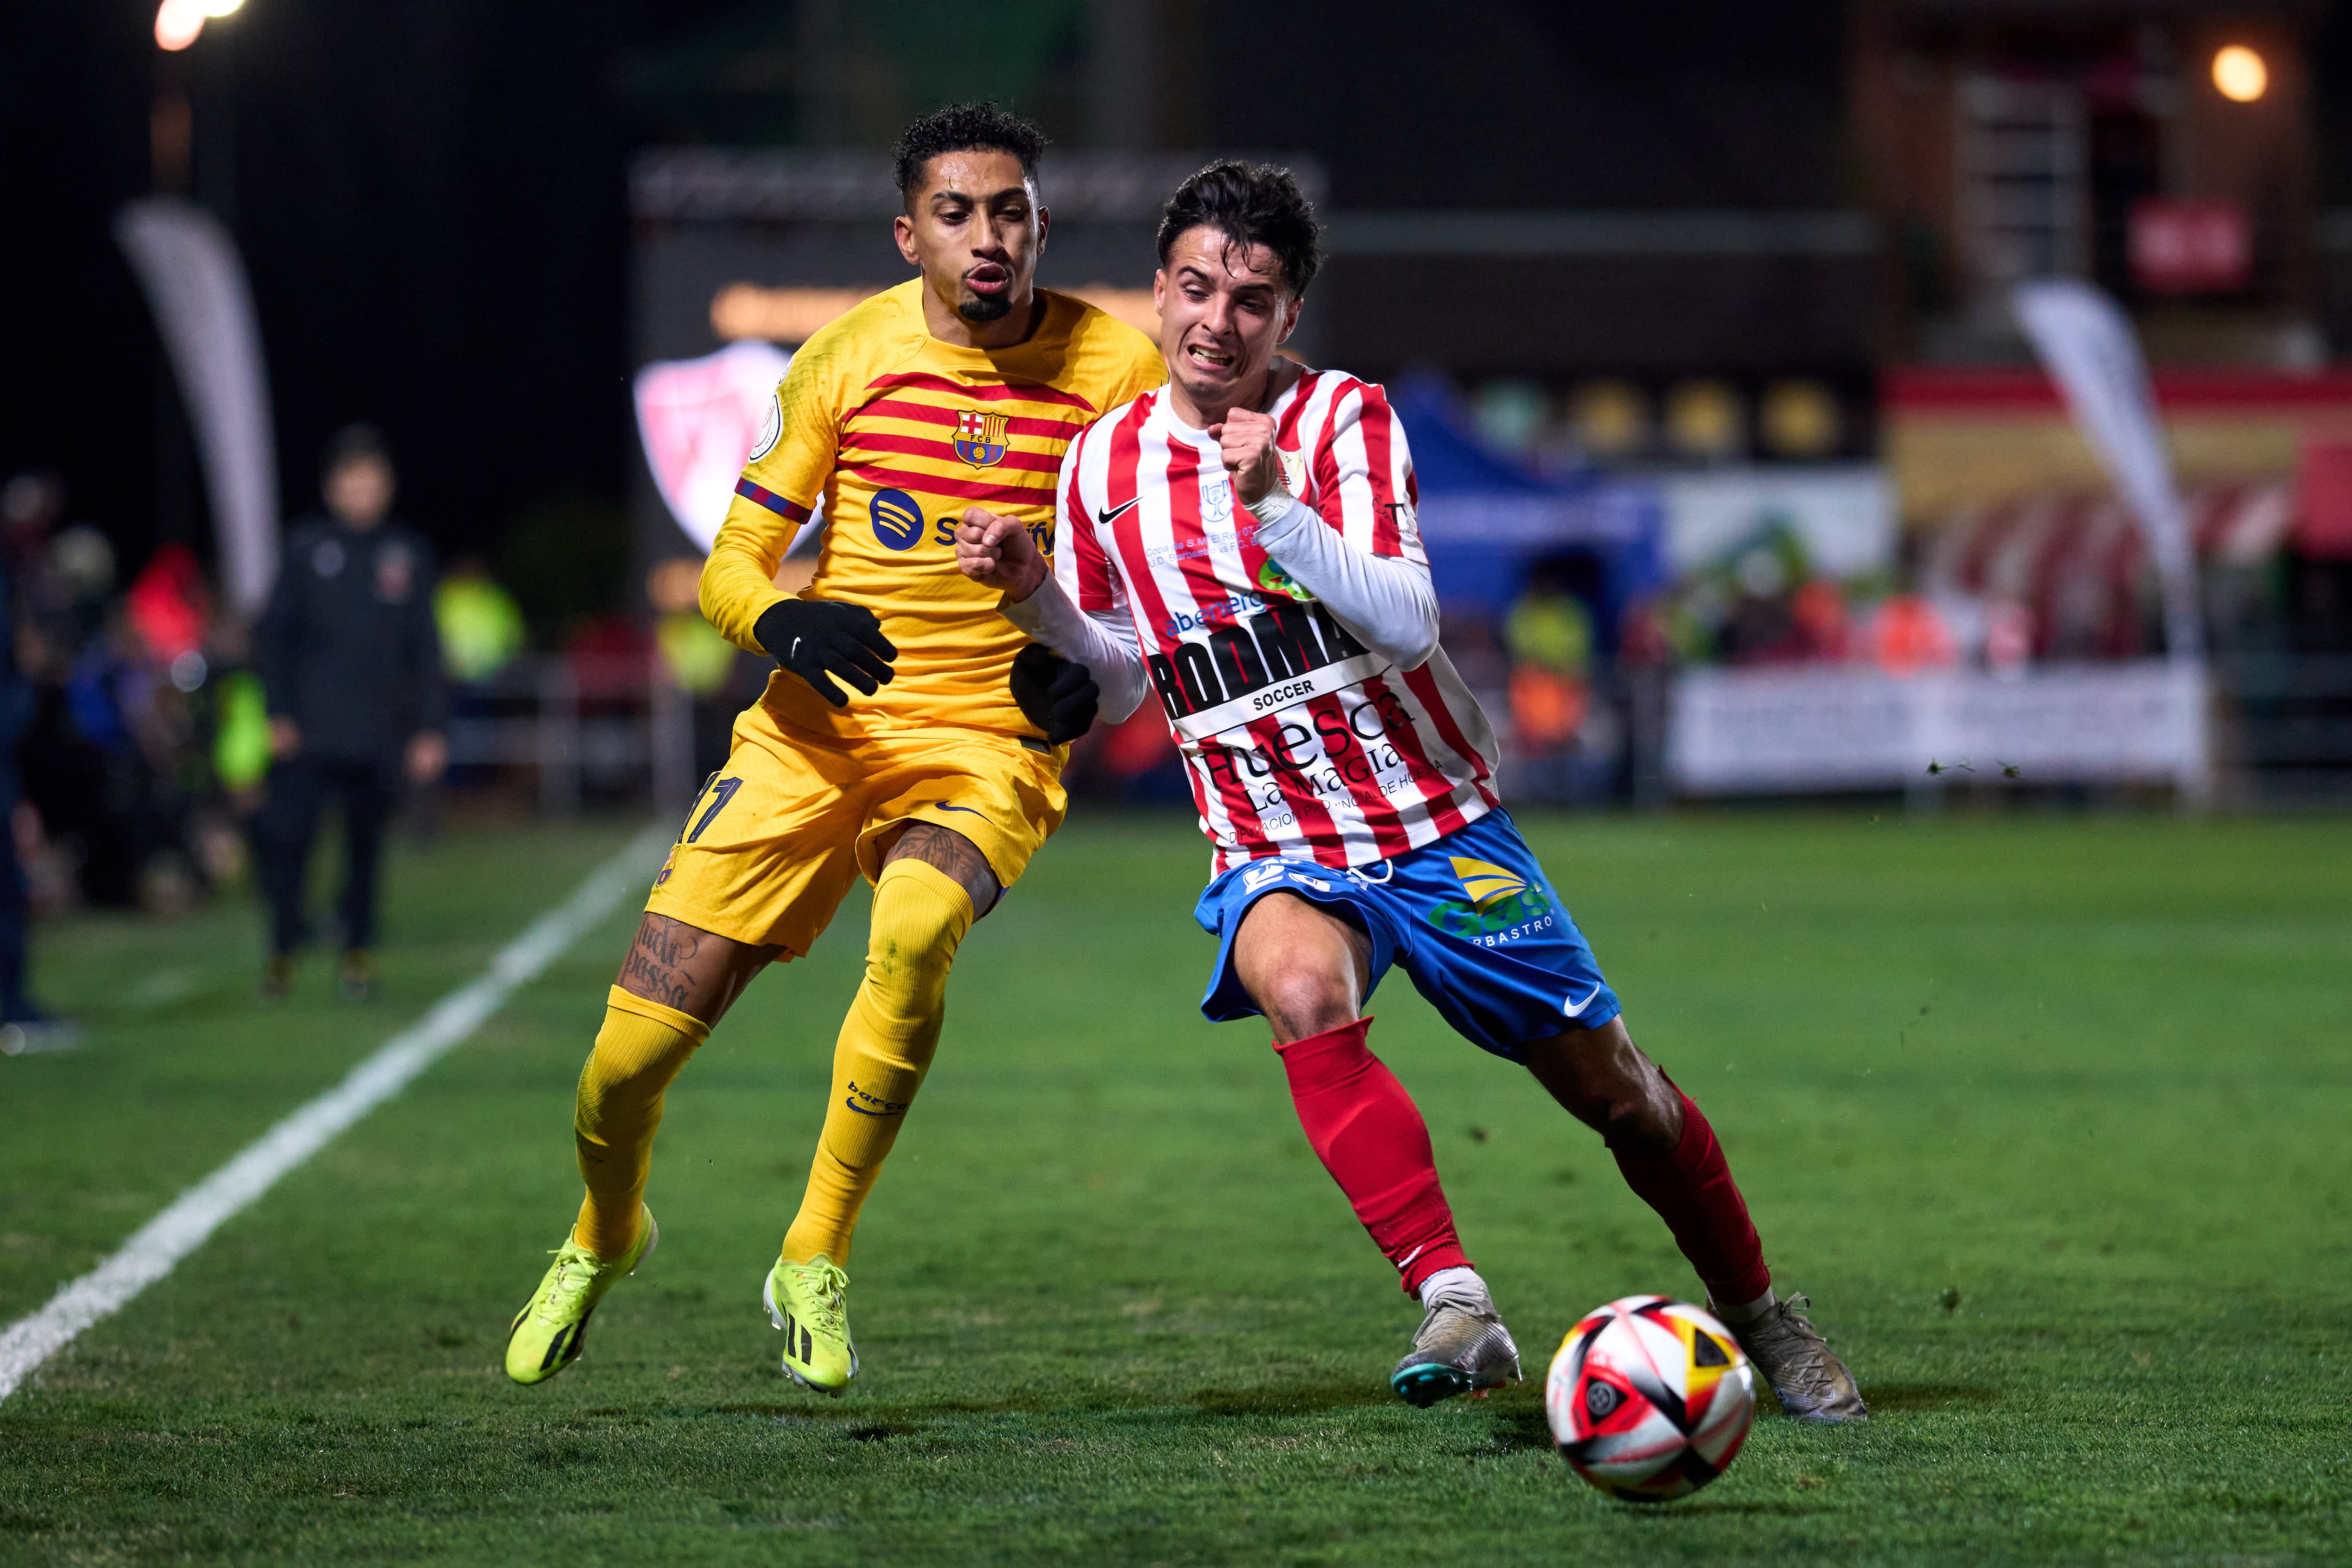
[
  {"x": 655, "y": 968},
  {"x": 949, "y": 852}
]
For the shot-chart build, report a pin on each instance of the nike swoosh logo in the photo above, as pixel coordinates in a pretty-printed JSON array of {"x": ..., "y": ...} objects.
[
  {"x": 943, "y": 806},
  {"x": 1114, "y": 513},
  {"x": 1580, "y": 1007}
]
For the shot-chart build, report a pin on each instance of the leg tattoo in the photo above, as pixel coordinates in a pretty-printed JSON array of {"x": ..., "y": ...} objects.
[
  {"x": 949, "y": 852},
  {"x": 657, "y": 967}
]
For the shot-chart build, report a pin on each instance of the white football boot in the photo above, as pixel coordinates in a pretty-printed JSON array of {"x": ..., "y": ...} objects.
[
  {"x": 1812, "y": 1383},
  {"x": 1462, "y": 1346}
]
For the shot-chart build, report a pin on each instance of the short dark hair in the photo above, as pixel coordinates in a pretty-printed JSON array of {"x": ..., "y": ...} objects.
[
  {"x": 1249, "y": 204},
  {"x": 359, "y": 443},
  {"x": 966, "y": 128}
]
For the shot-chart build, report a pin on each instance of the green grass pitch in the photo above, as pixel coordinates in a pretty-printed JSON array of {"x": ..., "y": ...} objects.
[{"x": 2048, "y": 1114}]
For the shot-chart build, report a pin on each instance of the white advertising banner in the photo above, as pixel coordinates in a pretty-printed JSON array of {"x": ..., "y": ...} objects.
[
  {"x": 1843, "y": 513},
  {"x": 203, "y": 310},
  {"x": 1793, "y": 731}
]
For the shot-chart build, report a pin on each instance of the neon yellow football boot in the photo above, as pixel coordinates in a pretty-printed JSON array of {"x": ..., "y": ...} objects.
[
  {"x": 810, "y": 1302},
  {"x": 547, "y": 1333}
]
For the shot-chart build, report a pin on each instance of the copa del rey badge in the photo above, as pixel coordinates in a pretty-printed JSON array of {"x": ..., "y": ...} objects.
[{"x": 980, "y": 438}]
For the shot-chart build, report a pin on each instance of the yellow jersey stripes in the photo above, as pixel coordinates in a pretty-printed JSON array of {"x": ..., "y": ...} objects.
[{"x": 890, "y": 434}]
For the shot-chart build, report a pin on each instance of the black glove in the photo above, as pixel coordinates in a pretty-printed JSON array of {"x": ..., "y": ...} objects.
[
  {"x": 1055, "y": 695},
  {"x": 818, "y": 638}
]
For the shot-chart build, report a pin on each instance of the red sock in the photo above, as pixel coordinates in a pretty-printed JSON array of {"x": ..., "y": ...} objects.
[
  {"x": 1692, "y": 1192},
  {"x": 1370, "y": 1135}
]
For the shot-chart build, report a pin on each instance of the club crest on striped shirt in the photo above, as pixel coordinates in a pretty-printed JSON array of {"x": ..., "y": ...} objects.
[{"x": 980, "y": 438}]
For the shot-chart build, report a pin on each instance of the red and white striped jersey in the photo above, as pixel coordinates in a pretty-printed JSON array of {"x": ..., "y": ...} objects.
[{"x": 1300, "y": 740}]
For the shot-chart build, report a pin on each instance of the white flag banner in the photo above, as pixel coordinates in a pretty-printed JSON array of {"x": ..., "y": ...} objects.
[
  {"x": 195, "y": 284},
  {"x": 2088, "y": 344},
  {"x": 1796, "y": 729},
  {"x": 701, "y": 420}
]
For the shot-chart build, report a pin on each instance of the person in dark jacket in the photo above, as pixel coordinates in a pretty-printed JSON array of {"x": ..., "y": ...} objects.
[
  {"x": 350, "y": 665},
  {"x": 25, "y": 1025}
]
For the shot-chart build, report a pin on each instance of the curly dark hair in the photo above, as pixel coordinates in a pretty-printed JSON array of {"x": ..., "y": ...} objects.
[
  {"x": 1249, "y": 204},
  {"x": 963, "y": 127}
]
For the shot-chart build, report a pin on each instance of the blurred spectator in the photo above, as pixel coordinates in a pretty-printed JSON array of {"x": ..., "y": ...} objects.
[
  {"x": 1567, "y": 743},
  {"x": 29, "y": 504},
  {"x": 480, "y": 625},
  {"x": 350, "y": 665},
  {"x": 482, "y": 632},
  {"x": 697, "y": 658},
  {"x": 170, "y": 609},
  {"x": 115, "y": 699},
  {"x": 1761, "y": 626},
  {"x": 24, "y": 1024},
  {"x": 1817, "y": 608},
  {"x": 1906, "y": 635},
  {"x": 241, "y": 736},
  {"x": 81, "y": 578},
  {"x": 1550, "y": 631},
  {"x": 100, "y": 756}
]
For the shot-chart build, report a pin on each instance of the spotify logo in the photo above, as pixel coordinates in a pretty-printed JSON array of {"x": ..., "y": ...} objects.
[{"x": 898, "y": 520}]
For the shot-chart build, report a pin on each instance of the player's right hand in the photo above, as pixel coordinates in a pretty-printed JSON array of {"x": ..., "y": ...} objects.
[
  {"x": 819, "y": 638},
  {"x": 1245, "y": 439},
  {"x": 997, "y": 552}
]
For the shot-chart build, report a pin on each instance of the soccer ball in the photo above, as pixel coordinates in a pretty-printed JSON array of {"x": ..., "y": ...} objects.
[{"x": 1649, "y": 1398}]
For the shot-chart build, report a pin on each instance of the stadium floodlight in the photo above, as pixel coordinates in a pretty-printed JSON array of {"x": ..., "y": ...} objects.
[
  {"x": 2241, "y": 74},
  {"x": 177, "y": 23}
]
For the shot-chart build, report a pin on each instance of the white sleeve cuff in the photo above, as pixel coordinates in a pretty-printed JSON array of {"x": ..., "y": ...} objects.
[{"x": 1106, "y": 649}]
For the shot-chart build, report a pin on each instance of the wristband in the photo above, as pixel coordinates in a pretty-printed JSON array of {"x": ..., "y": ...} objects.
[{"x": 1274, "y": 509}]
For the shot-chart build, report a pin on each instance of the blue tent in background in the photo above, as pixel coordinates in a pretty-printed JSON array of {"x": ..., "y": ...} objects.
[{"x": 1485, "y": 519}]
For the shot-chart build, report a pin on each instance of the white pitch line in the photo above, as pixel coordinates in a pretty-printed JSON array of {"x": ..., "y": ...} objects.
[{"x": 179, "y": 1229}]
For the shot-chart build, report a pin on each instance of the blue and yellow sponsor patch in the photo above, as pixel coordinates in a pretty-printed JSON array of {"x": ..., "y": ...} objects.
[
  {"x": 1484, "y": 882},
  {"x": 1495, "y": 900}
]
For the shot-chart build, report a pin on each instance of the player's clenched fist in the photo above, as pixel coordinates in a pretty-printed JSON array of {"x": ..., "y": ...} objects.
[
  {"x": 998, "y": 552},
  {"x": 1247, "y": 440}
]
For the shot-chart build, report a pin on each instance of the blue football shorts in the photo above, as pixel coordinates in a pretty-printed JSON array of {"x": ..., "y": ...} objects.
[{"x": 1472, "y": 917}]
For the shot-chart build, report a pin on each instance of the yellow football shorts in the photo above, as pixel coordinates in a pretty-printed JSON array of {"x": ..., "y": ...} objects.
[{"x": 776, "y": 837}]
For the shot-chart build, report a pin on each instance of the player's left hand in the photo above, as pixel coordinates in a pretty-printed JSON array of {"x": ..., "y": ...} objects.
[
  {"x": 1055, "y": 694},
  {"x": 1246, "y": 438}
]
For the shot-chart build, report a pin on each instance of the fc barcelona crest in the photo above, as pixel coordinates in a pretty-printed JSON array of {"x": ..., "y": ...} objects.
[{"x": 980, "y": 438}]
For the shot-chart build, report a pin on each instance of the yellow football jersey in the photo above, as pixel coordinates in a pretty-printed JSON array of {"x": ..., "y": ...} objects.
[{"x": 894, "y": 433}]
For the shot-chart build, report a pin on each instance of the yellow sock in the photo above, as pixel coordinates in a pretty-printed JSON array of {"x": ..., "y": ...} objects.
[
  {"x": 639, "y": 1049},
  {"x": 920, "y": 913}
]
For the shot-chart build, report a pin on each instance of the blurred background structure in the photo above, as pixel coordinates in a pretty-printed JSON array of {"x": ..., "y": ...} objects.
[{"x": 1739, "y": 473}]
